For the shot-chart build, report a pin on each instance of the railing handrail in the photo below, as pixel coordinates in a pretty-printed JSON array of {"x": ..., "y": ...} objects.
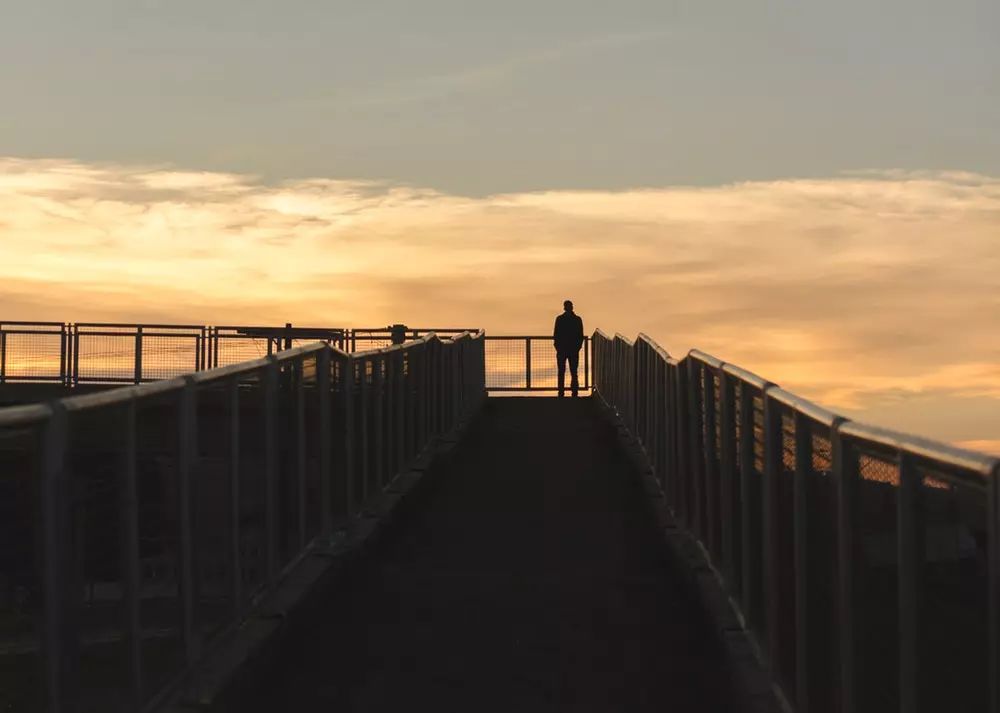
[{"x": 796, "y": 507}]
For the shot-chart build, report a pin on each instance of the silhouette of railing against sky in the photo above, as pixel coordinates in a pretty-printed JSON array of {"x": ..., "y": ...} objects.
[
  {"x": 71, "y": 354},
  {"x": 142, "y": 523}
]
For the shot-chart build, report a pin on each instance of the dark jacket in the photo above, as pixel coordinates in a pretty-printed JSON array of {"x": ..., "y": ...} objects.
[{"x": 568, "y": 333}]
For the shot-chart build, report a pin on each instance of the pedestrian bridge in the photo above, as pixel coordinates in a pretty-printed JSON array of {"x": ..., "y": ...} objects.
[{"x": 333, "y": 528}]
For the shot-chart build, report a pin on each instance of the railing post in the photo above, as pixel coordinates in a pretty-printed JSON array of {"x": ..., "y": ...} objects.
[
  {"x": 325, "y": 456},
  {"x": 773, "y": 465},
  {"x": 910, "y": 555},
  {"x": 235, "y": 555},
  {"x": 527, "y": 362},
  {"x": 3, "y": 355},
  {"x": 300, "y": 450},
  {"x": 710, "y": 474},
  {"x": 728, "y": 479},
  {"x": 749, "y": 516},
  {"x": 802, "y": 485},
  {"x": 138, "y": 354},
  {"x": 845, "y": 469},
  {"x": 363, "y": 424},
  {"x": 378, "y": 389},
  {"x": 187, "y": 453},
  {"x": 61, "y": 644},
  {"x": 993, "y": 564},
  {"x": 76, "y": 355},
  {"x": 271, "y": 470},
  {"x": 347, "y": 394},
  {"x": 129, "y": 533}
]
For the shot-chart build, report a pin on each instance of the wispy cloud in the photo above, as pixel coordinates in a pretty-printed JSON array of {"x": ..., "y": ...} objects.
[
  {"x": 477, "y": 77},
  {"x": 861, "y": 291}
]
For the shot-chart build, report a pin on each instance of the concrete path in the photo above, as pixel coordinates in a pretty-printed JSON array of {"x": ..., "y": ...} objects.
[{"x": 525, "y": 579}]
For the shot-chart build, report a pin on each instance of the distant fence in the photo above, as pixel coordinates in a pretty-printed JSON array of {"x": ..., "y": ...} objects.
[
  {"x": 105, "y": 353},
  {"x": 865, "y": 563},
  {"x": 139, "y": 524}
]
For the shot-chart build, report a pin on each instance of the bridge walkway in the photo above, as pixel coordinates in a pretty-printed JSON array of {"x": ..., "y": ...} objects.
[{"x": 525, "y": 579}]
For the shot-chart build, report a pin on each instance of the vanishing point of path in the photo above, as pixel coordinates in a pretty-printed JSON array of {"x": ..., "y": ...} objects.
[{"x": 525, "y": 578}]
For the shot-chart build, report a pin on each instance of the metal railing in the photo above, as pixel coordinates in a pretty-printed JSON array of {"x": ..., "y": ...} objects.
[
  {"x": 864, "y": 563},
  {"x": 140, "y": 524},
  {"x": 71, "y": 354}
]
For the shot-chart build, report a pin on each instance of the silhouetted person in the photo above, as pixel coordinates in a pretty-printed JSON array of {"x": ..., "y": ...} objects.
[{"x": 568, "y": 338}]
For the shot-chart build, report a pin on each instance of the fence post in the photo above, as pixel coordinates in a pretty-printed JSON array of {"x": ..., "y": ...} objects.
[
  {"x": 76, "y": 355},
  {"x": 910, "y": 529},
  {"x": 773, "y": 465},
  {"x": 235, "y": 555},
  {"x": 993, "y": 564},
  {"x": 378, "y": 389},
  {"x": 138, "y": 354},
  {"x": 3, "y": 356},
  {"x": 363, "y": 423},
  {"x": 845, "y": 470},
  {"x": 347, "y": 391},
  {"x": 749, "y": 516},
  {"x": 129, "y": 532},
  {"x": 728, "y": 478},
  {"x": 59, "y": 626},
  {"x": 271, "y": 469},
  {"x": 187, "y": 452},
  {"x": 300, "y": 449},
  {"x": 325, "y": 459},
  {"x": 527, "y": 362},
  {"x": 802, "y": 485}
]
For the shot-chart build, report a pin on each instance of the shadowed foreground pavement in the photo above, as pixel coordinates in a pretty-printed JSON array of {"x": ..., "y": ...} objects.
[{"x": 525, "y": 578}]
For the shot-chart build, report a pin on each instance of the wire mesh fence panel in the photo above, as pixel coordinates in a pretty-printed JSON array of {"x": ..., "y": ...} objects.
[
  {"x": 544, "y": 366},
  {"x": 877, "y": 576},
  {"x": 231, "y": 349},
  {"x": 952, "y": 636},
  {"x": 105, "y": 357},
  {"x": 22, "y": 686},
  {"x": 168, "y": 356},
  {"x": 32, "y": 354},
  {"x": 784, "y": 529},
  {"x": 212, "y": 509},
  {"x": 157, "y": 441},
  {"x": 252, "y": 509},
  {"x": 506, "y": 364},
  {"x": 96, "y": 461},
  {"x": 823, "y": 574}
]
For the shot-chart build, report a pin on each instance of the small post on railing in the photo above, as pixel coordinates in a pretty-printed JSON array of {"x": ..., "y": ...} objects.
[
  {"x": 63, "y": 354},
  {"x": 323, "y": 438},
  {"x": 909, "y": 541},
  {"x": 138, "y": 354},
  {"x": 271, "y": 470},
  {"x": 749, "y": 516},
  {"x": 800, "y": 543},
  {"x": 187, "y": 452},
  {"x": 399, "y": 412},
  {"x": 61, "y": 644},
  {"x": 76, "y": 354},
  {"x": 288, "y": 335},
  {"x": 993, "y": 566},
  {"x": 773, "y": 465},
  {"x": 347, "y": 394},
  {"x": 235, "y": 555},
  {"x": 378, "y": 425},
  {"x": 129, "y": 533},
  {"x": 3, "y": 355},
  {"x": 728, "y": 478},
  {"x": 845, "y": 473},
  {"x": 364, "y": 436},
  {"x": 300, "y": 450},
  {"x": 527, "y": 363}
]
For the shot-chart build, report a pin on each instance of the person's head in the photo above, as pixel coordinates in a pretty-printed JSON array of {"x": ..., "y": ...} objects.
[{"x": 568, "y": 306}]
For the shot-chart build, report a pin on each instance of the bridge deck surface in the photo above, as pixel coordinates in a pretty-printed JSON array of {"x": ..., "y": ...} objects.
[{"x": 524, "y": 579}]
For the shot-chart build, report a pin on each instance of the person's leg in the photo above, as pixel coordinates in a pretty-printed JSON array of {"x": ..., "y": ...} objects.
[
  {"x": 561, "y": 362},
  {"x": 574, "y": 363}
]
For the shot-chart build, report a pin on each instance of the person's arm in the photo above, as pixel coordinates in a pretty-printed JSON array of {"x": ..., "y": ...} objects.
[
  {"x": 580, "y": 337},
  {"x": 555, "y": 333}
]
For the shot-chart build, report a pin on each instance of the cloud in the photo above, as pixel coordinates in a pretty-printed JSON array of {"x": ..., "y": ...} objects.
[{"x": 858, "y": 291}]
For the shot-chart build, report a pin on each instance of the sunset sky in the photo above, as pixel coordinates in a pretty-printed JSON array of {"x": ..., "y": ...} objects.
[{"x": 812, "y": 193}]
